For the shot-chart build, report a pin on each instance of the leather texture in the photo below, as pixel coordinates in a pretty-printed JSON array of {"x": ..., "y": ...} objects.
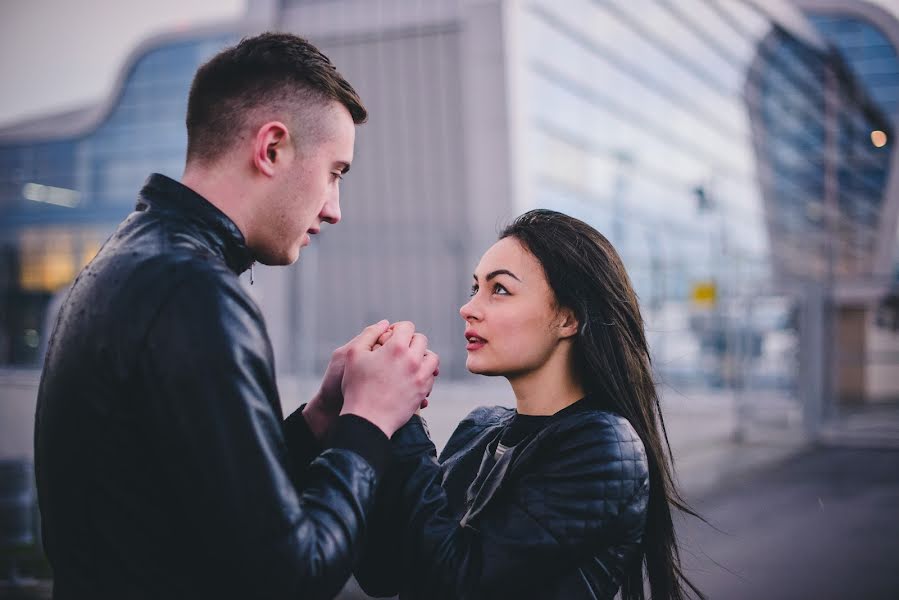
[
  {"x": 559, "y": 515},
  {"x": 164, "y": 469}
]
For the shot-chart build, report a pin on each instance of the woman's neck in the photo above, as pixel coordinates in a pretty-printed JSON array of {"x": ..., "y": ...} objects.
[{"x": 548, "y": 389}]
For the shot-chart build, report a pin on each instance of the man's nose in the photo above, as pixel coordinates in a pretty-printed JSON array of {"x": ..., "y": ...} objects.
[{"x": 331, "y": 212}]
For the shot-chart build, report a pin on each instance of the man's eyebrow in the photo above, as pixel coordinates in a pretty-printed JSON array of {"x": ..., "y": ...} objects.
[
  {"x": 343, "y": 166},
  {"x": 493, "y": 274}
]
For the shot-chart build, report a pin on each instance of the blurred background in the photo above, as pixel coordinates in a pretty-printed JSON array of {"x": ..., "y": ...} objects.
[{"x": 738, "y": 153}]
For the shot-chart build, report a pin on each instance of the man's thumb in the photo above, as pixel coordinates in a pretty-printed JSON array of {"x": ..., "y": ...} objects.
[{"x": 369, "y": 336}]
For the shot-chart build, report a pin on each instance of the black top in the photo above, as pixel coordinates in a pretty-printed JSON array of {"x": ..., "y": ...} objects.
[
  {"x": 164, "y": 469},
  {"x": 522, "y": 426}
]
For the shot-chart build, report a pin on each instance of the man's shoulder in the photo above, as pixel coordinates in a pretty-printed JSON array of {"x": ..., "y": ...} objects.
[
  {"x": 185, "y": 279},
  {"x": 149, "y": 274},
  {"x": 136, "y": 275},
  {"x": 165, "y": 248}
]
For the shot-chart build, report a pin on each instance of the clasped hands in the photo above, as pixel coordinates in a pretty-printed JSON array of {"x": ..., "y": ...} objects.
[{"x": 384, "y": 375}]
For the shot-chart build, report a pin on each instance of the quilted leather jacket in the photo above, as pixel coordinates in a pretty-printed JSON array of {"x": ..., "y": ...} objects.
[
  {"x": 559, "y": 515},
  {"x": 164, "y": 468}
]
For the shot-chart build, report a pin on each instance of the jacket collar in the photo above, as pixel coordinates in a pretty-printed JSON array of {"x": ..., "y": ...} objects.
[{"x": 161, "y": 193}]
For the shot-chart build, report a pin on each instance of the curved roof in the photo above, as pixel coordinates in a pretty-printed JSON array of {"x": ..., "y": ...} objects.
[{"x": 79, "y": 121}]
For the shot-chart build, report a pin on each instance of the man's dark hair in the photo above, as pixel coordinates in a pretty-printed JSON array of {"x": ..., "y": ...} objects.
[{"x": 277, "y": 70}]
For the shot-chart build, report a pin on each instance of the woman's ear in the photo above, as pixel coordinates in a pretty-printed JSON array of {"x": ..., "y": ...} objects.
[{"x": 568, "y": 323}]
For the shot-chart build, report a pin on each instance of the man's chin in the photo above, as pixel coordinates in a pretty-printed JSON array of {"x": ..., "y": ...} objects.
[{"x": 278, "y": 260}]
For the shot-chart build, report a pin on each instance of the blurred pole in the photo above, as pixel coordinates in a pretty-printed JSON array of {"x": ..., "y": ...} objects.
[
  {"x": 305, "y": 286},
  {"x": 831, "y": 202},
  {"x": 813, "y": 355},
  {"x": 624, "y": 161},
  {"x": 818, "y": 352}
]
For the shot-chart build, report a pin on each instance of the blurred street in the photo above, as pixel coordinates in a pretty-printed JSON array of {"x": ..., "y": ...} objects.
[{"x": 821, "y": 525}]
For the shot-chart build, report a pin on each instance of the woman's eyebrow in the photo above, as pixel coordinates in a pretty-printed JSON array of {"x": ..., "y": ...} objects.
[{"x": 493, "y": 274}]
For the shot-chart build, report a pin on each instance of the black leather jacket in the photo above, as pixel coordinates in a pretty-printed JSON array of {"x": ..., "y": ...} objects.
[
  {"x": 559, "y": 515},
  {"x": 164, "y": 468}
]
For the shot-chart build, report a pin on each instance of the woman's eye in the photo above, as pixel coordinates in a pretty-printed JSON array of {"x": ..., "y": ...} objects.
[
  {"x": 474, "y": 290},
  {"x": 499, "y": 289}
]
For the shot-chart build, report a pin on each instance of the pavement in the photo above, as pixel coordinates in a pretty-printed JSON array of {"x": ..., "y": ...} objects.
[{"x": 822, "y": 524}]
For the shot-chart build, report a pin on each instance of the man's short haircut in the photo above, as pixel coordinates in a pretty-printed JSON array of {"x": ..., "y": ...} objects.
[{"x": 271, "y": 70}]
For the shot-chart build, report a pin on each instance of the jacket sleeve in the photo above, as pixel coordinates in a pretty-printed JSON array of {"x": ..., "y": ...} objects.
[
  {"x": 590, "y": 490},
  {"x": 302, "y": 446},
  {"x": 212, "y": 409}
]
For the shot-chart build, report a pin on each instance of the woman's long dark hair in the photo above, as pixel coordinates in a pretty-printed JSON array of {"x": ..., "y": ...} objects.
[{"x": 588, "y": 277}]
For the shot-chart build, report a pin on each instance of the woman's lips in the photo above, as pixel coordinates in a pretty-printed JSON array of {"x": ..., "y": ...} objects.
[{"x": 475, "y": 342}]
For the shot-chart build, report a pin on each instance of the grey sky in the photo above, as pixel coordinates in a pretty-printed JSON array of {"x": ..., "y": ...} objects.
[{"x": 56, "y": 55}]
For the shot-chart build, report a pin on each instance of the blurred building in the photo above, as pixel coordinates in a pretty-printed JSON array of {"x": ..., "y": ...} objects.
[{"x": 739, "y": 154}]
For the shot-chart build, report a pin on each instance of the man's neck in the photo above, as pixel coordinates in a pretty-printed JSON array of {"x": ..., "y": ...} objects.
[{"x": 221, "y": 189}]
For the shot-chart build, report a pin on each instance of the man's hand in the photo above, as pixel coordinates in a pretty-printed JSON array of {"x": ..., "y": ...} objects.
[
  {"x": 387, "y": 384},
  {"x": 322, "y": 411},
  {"x": 383, "y": 340}
]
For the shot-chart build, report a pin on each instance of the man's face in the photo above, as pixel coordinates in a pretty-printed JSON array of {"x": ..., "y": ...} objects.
[{"x": 306, "y": 190}]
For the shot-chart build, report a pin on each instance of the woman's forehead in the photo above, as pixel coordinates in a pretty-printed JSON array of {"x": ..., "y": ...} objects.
[{"x": 510, "y": 254}]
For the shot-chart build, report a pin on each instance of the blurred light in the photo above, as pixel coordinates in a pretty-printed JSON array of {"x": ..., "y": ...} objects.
[
  {"x": 704, "y": 293},
  {"x": 48, "y": 258},
  {"x": 878, "y": 138},
  {"x": 51, "y": 195},
  {"x": 814, "y": 211},
  {"x": 31, "y": 338}
]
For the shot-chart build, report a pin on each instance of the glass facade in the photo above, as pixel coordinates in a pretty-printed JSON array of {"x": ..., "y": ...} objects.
[
  {"x": 60, "y": 199},
  {"x": 638, "y": 117},
  {"x": 872, "y": 58},
  {"x": 826, "y": 178},
  {"x": 875, "y": 62}
]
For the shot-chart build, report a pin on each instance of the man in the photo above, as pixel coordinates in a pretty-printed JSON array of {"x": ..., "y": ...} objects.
[{"x": 164, "y": 468}]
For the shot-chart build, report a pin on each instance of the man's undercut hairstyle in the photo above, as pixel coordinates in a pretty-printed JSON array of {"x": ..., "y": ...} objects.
[{"x": 271, "y": 70}]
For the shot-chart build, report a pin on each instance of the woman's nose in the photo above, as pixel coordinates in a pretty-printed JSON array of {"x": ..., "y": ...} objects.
[{"x": 468, "y": 310}]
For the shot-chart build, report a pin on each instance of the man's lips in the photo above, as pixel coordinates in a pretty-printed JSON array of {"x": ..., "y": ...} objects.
[{"x": 307, "y": 237}]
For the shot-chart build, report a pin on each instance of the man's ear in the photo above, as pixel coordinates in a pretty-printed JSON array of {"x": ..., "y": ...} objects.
[
  {"x": 567, "y": 323},
  {"x": 271, "y": 146}
]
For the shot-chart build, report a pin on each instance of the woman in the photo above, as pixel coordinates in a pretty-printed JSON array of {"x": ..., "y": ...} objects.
[{"x": 568, "y": 495}]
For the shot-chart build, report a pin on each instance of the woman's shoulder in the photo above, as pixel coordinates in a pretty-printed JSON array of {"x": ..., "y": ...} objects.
[
  {"x": 488, "y": 415},
  {"x": 586, "y": 473},
  {"x": 475, "y": 422},
  {"x": 597, "y": 436}
]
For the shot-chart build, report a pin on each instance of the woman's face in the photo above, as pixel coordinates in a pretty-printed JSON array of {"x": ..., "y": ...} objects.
[{"x": 512, "y": 324}]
